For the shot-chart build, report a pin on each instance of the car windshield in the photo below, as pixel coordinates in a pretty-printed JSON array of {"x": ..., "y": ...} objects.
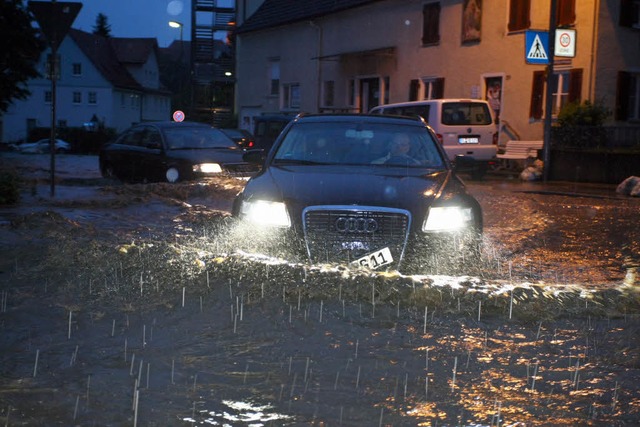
[
  {"x": 342, "y": 143},
  {"x": 196, "y": 138}
]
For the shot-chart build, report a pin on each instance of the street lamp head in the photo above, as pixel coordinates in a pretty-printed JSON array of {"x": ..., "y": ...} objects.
[{"x": 175, "y": 24}]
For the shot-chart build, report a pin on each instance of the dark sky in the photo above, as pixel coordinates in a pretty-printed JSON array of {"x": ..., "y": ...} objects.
[{"x": 138, "y": 18}]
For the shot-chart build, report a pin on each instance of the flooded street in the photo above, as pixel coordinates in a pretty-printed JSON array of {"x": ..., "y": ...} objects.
[{"x": 130, "y": 305}]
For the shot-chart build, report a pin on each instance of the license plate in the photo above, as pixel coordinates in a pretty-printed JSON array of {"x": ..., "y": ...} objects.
[
  {"x": 376, "y": 259},
  {"x": 469, "y": 139}
]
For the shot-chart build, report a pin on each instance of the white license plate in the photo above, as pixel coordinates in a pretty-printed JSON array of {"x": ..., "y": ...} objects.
[
  {"x": 376, "y": 259},
  {"x": 468, "y": 140}
]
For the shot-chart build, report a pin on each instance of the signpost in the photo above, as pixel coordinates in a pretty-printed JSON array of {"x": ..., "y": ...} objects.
[
  {"x": 546, "y": 148},
  {"x": 54, "y": 19}
]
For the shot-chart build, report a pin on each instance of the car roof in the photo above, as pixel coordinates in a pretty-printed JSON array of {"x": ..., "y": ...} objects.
[
  {"x": 276, "y": 117},
  {"x": 429, "y": 101},
  {"x": 364, "y": 118},
  {"x": 169, "y": 124}
]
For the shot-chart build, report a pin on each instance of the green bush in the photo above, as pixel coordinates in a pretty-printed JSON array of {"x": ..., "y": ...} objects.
[
  {"x": 9, "y": 187},
  {"x": 585, "y": 114}
]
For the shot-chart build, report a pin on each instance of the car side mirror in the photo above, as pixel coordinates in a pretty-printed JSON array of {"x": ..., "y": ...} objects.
[{"x": 256, "y": 156}]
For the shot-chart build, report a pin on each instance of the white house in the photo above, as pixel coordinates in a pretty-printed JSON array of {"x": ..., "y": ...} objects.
[{"x": 113, "y": 80}]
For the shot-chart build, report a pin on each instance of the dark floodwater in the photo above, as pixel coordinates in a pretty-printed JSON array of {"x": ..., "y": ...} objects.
[{"x": 139, "y": 315}]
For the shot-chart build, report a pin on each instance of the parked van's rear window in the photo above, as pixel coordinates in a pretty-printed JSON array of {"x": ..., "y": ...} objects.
[
  {"x": 409, "y": 110},
  {"x": 465, "y": 113}
]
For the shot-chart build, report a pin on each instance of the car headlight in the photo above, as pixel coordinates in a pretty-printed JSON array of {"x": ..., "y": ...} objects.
[
  {"x": 447, "y": 218},
  {"x": 265, "y": 212},
  {"x": 207, "y": 168}
]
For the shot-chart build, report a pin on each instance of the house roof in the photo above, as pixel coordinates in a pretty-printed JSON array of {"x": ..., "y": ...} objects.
[
  {"x": 273, "y": 13},
  {"x": 109, "y": 56},
  {"x": 133, "y": 51}
]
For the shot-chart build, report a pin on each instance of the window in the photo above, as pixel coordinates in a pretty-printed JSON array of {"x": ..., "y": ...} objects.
[
  {"x": 426, "y": 88},
  {"x": 628, "y": 97},
  {"x": 291, "y": 96},
  {"x": 77, "y": 97},
  {"x": 48, "y": 97},
  {"x": 565, "y": 13},
  {"x": 630, "y": 13},
  {"x": 274, "y": 78},
  {"x": 329, "y": 93},
  {"x": 519, "y": 18},
  {"x": 92, "y": 98},
  {"x": 431, "y": 23},
  {"x": 560, "y": 92},
  {"x": 433, "y": 88},
  {"x": 567, "y": 87},
  {"x": 132, "y": 137},
  {"x": 76, "y": 69}
]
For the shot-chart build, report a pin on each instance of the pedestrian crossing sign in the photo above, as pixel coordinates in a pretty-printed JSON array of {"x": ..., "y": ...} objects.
[{"x": 536, "y": 47}]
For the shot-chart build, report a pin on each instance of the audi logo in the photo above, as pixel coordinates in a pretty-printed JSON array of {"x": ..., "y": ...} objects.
[{"x": 345, "y": 224}]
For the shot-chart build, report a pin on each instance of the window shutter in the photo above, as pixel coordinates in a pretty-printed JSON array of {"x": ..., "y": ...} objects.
[
  {"x": 431, "y": 23},
  {"x": 519, "y": 15},
  {"x": 575, "y": 85},
  {"x": 437, "y": 90},
  {"x": 414, "y": 88},
  {"x": 565, "y": 13},
  {"x": 622, "y": 96},
  {"x": 537, "y": 95}
]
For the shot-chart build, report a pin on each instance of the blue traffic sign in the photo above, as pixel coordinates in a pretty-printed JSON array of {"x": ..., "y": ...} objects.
[{"x": 536, "y": 49}]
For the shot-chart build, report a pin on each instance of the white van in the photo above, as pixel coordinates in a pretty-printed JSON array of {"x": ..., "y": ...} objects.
[{"x": 464, "y": 126}]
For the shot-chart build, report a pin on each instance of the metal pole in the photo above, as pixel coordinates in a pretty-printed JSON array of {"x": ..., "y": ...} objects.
[
  {"x": 52, "y": 136},
  {"x": 546, "y": 151}
]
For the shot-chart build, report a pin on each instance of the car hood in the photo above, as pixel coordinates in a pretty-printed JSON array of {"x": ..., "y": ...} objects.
[
  {"x": 205, "y": 155},
  {"x": 302, "y": 186}
]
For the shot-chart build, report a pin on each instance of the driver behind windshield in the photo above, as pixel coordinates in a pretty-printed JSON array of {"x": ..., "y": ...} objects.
[{"x": 398, "y": 151}]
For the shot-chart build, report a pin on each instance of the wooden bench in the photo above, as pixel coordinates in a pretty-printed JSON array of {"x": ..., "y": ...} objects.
[{"x": 520, "y": 150}]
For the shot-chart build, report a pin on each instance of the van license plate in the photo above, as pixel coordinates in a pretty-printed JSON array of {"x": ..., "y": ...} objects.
[
  {"x": 469, "y": 139},
  {"x": 376, "y": 259}
]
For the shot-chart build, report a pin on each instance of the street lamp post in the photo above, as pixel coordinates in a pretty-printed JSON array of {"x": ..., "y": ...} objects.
[{"x": 176, "y": 24}]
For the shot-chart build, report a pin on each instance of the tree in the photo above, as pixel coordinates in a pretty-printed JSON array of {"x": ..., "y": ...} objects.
[
  {"x": 20, "y": 50},
  {"x": 102, "y": 27}
]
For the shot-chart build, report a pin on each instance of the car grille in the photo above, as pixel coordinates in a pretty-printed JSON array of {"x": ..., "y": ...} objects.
[
  {"x": 241, "y": 169},
  {"x": 344, "y": 233}
]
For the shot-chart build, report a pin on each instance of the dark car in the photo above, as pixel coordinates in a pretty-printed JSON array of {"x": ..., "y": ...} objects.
[
  {"x": 242, "y": 137},
  {"x": 172, "y": 151},
  {"x": 267, "y": 128},
  {"x": 376, "y": 191}
]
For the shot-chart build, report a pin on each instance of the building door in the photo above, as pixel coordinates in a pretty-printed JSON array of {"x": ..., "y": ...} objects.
[
  {"x": 369, "y": 94},
  {"x": 493, "y": 94}
]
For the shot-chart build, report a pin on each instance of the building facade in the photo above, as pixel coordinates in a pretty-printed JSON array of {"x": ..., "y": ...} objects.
[
  {"x": 319, "y": 56},
  {"x": 114, "y": 81}
]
